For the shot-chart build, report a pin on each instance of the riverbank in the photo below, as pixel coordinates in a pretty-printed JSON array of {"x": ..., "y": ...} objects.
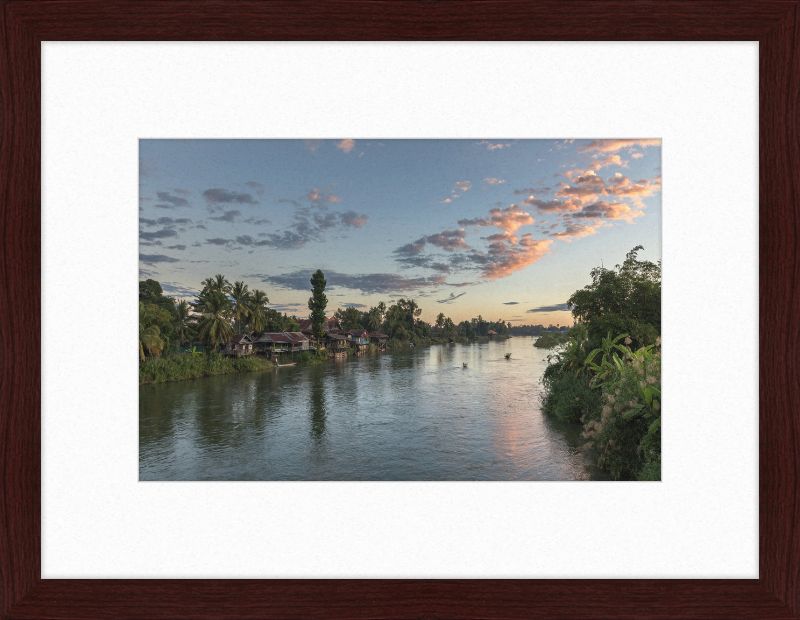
[
  {"x": 186, "y": 366},
  {"x": 182, "y": 367}
]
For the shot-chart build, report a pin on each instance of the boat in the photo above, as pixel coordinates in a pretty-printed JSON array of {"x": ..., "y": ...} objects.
[{"x": 277, "y": 365}]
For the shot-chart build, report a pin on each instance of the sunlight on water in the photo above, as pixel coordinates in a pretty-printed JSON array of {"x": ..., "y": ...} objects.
[{"x": 410, "y": 414}]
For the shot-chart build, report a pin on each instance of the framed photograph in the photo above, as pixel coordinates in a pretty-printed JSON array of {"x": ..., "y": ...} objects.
[{"x": 96, "y": 526}]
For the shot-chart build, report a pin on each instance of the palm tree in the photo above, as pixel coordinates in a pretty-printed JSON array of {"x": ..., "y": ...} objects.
[
  {"x": 217, "y": 283},
  {"x": 241, "y": 302},
  {"x": 374, "y": 320},
  {"x": 149, "y": 335},
  {"x": 215, "y": 326},
  {"x": 258, "y": 306},
  {"x": 184, "y": 328}
]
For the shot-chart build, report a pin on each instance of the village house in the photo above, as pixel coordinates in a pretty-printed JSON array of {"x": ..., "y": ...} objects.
[
  {"x": 491, "y": 333},
  {"x": 240, "y": 344},
  {"x": 358, "y": 339},
  {"x": 379, "y": 339},
  {"x": 273, "y": 344},
  {"x": 330, "y": 326}
]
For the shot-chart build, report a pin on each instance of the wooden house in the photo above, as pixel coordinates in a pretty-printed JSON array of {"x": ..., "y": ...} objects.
[
  {"x": 240, "y": 344},
  {"x": 336, "y": 344},
  {"x": 358, "y": 339},
  {"x": 491, "y": 333},
  {"x": 273, "y": 344},
  {"x": 299, "y": 341},
  {"x": 330, "y": 326},
  {"x": 379, "y": 339}
]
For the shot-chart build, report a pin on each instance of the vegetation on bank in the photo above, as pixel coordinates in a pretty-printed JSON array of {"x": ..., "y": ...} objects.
[
  {"x": 178, "y": 367},
  {"x": 607, "y": 376},
  {"x": 550, "y": 340}
]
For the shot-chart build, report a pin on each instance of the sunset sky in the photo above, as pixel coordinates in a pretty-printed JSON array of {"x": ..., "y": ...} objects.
[{"x": 502, "y": 228}]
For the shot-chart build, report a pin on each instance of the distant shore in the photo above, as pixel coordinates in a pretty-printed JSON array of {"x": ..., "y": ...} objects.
[{"x": 181, "y": 367}]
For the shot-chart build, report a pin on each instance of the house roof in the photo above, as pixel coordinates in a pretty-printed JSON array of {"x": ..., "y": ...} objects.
[
  {"x": 377, "y": 335},
  {"x": 328, "y": 325},
  {"x": 297, "y": 336},
  {"x": 492, "y": 332},
  {"x": 336, "y": 337},
  {"x": 275, "y": 337},
  {"x": 358, "y": 332},
  {"x": 240, "y": 339}
]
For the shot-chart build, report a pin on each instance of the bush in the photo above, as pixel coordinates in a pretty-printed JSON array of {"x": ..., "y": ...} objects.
[
  {"x": 548, "y": 341},
  {"x": 570, "y": 398}
]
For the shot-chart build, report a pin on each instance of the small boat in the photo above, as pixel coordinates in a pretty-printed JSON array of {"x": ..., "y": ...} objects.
[{"x": 277, "y": 365}]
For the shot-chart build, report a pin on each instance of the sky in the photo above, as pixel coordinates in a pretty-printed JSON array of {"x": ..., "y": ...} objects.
[{"x": 505, "y": 229}]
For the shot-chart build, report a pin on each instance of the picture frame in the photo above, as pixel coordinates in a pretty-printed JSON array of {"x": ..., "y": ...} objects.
[{"x": 774, "y": 594}]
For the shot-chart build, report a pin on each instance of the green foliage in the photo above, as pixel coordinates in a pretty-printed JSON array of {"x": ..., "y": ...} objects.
[
  {"x": 317, "y": 303},
  {"x": 570, "y": 397},
  {"x": 626, "y": 433},
  {"x": 608, "y": 374},
  {"x": 311, "y": 357},
  {"x": 150, "y": 340},
  {"x": 548, "y": 341},
  {"x": 623, "y": 300}
]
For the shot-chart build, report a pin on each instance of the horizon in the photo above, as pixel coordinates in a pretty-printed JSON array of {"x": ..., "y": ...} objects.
[{"x": 505, "y": 229}]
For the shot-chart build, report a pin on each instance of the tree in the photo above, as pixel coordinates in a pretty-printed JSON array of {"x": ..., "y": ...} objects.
[
  {"x": 214, "y": 325},
  {"x": 184, "y": 328},
  {"x": 348, "y": 318},
  {"x": 623, "y": 300},
  {"x": 217, "y": 283},
  {"x": 150, "y": 290},
  {"x": 149, "y": 334},
  {"x": 241, "y": 303},
  {"x": 258, "y": 306},
  {"x": 440, "y": 320},
  {"x": 373, "y": 319},
  {"x": 317, "y": 303}
]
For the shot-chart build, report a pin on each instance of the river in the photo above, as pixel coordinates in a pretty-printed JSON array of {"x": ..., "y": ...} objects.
[{"x": 410, "y": 414}]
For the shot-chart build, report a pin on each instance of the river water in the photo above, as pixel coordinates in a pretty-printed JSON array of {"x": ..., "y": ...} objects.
[{"x": 410, "y": 414}]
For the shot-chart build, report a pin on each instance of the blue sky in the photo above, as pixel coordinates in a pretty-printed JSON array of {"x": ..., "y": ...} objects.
[{"x": 502, "y": 228}]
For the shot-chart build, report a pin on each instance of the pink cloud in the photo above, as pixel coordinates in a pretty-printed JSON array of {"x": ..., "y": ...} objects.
[
  {"x": 492, "y": 147},
  {"x": 609, "y": 146},
  {"x": 574, "y": 231},
  {"x": 509, "y": 219},
  {"x": 508, "y": 258},
  {"x": 346, "y": 145}
]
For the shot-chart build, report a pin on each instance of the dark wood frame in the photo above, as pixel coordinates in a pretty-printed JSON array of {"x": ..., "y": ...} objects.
[{"x": 775, "y": 24}]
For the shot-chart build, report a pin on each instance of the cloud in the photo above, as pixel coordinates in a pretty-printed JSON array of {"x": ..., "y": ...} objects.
[
  {"x": 229, "y": 216},
  {"x": 446, "y": 200},
  {"x": 319, "y": 198},
  {"x": 260, "y": 188},
  {"x": 637, "y": 155},
  {"x": 450, "y": 299},
  {"x": 159, "y": 234},
  {"x": 313, "y": 145},
  {"x": 553, "y": 308},
  {"x": 372, "y": 283},
  {"x": 151, "y": 259},
  {"x": 168, "y": 201},
  {"x": 164, "y": 221},
  {"x": 493, "y": 181},
  {"x": 448, "y": 240},
  {"x": 288, "y": 240},
  {"x": 609, "y": 146},
  {"x": 525, "y": 192},
  {"x": 351, "y": 218},
  {"x": 505, "y": 257},
  {"x": 509, "y": 219},
  {"x": 351, "y": 305},
  {"x": 510, "y": 303},
  {"x": 491, "y": 146},
  {"x": 609, "y": 211},
  {"x": 218, "y": 195},
  {"x": 176, "y": 247},
  {"x": 346, "y": 145},
  {"x": 463, "y": 186},
  {"x": 574, "y": 231},
  {"x": 256, "y": 222},
  {"x": 218, "y": 241},
  {"x": 183, "y": 192},
  {"x": 291, "y": 202}
]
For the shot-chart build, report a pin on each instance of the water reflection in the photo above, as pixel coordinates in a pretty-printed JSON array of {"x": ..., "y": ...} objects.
[{"x": 413, "y": 414}]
